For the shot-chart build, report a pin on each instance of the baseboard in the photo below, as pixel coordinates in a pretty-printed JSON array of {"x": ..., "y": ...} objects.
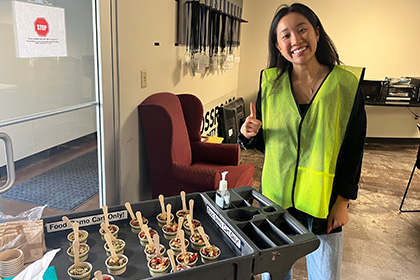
[{"x": 382, "y": 140}]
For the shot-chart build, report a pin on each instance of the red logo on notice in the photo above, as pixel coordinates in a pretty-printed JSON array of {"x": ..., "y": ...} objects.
[{"x": 41, "y": 27}]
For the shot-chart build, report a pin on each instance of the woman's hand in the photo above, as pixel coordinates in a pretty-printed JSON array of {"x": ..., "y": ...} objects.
[
  {"x": 252, "y": 125},
  {"x": 339, "y": 215}
]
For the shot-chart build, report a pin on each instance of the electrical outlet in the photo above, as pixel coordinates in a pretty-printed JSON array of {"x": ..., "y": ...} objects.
[{"x": 143, "y": 78}]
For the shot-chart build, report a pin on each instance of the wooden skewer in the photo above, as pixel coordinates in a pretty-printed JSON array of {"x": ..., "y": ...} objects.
[
  {"x": 168, "y": 214},
  {"x": 107, "y": 231},
  {"x": 191, "y": 208},
  {"x": 162, "y": 203},
  {"x": 184, "y": 204},
  {"x": 180, "y": 222},
  {"x": 172, "y": 259},
  {"x": 203, "y": 235},
  {"x": 98, "y": 275},
  {"x": 105, "y": 210},
  {"x": 157, "y": 245},
  {"x": 130, "y": 210},
  {"x": 145, "y": 228},
  {"x": 139, "y": 218},
  {"x": 190, "y": 224},
  {"x": 76, "y": 253},
  {"x": 67, "y": 221},
  {"x": 76, "y": 231},
  {"x": 182, "y": 238},
  {"x": 111, "y": 248}
]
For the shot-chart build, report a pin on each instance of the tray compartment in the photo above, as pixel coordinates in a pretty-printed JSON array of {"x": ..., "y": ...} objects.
[{"x": 257, "y": 236}]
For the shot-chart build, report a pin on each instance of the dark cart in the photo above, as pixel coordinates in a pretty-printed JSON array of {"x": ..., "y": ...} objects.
[{"x": 252, "y": 239}]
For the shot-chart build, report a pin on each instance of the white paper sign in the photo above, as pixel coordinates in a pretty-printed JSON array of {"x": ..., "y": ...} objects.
[{"x": 40, "y": 31}]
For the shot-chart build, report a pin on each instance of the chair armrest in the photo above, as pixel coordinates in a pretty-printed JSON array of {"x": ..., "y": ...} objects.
[
  {"x": 203, "y": 179},
  {"x": 223, "y": 154}
]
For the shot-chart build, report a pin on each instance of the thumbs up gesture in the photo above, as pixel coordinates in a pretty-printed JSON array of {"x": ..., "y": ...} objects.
[{"x": 252, "y": 125}]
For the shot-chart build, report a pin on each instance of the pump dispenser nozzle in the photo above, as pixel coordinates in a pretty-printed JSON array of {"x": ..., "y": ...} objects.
[{"x": 223, "y": 183}]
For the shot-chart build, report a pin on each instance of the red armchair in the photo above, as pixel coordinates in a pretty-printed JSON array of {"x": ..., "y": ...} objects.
[{"x": 178, "y": 159}]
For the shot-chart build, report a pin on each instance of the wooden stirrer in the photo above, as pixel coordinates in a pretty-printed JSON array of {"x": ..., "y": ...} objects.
[
  {"x": 203, "y": 235},
  {"x": 191, "y": 208},
  {"x": 172, "y": 259},
  {"x": 180, "y": 222},
  {"x": 139, "y": 218},
  {"x": 107, "y": 231},
  {"x": 111, "y": 248},
  {"x": 184, "y": 204},
  {"x": 168, "y": 214},
  {"x": 67, "y": 221},
  {"x": 105, "y": 210},
  {"x": 145, "y": 228},
  {"x": 130, "y": 210},
  {"x": 157, "y": 245}
]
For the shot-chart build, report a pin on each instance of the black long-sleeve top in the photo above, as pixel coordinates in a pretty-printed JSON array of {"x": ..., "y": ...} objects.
[{"x": 349, "y": 162}]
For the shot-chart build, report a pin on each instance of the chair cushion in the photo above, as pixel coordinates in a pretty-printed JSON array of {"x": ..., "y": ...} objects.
[{"x": 238, "y": 176}]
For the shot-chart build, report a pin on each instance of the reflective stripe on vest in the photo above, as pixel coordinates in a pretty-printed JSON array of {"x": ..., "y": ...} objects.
[{"x": 313, "y": 142}]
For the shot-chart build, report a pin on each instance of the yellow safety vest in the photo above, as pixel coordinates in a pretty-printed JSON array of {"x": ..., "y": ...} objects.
[{"x": 301, "y": 153}]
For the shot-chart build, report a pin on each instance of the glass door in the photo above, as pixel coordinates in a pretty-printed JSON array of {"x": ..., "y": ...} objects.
[{"x": 49, "y": 105}]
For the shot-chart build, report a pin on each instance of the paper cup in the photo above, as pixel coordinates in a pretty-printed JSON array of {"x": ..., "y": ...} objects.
[
  {"x": 142, "y": 237},
  {"x": 83, "y": 272},
  {"x": 209, "y": 254},
  {"x": 83, "y": 255},
  {"x": 135, "y": 226},
  {"x": 189, "y": 259},
  {"x": 182, "y": 213},
  {"x": 83, "y": 235},
  {"x": 114, "y": 229},
  {"x": 11, "y": 262},
  {"x": 162, "y": 221},
  {"x": 119, "y": 248},
  {"x": 175, "y": 245},
  {"x": 150, "y": 252},
  {"x": 118, "y": 268},
  {"x": 158, "y": 266},
  {"x": 169, "y": 232},
  {"x": 197, "y": 241},
  {"x": 186, "y": 228}
]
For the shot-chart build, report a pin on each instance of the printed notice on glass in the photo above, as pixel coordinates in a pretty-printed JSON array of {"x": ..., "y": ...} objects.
[{"x": 40, "y": 31}]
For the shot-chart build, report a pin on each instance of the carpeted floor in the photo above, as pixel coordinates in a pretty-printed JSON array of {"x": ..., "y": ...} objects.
[
  {"x": 379, "y": 241},
  {"x": 64, "y": 187}
]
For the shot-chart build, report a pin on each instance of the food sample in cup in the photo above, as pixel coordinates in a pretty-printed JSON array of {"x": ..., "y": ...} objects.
[
  {"x": 161, "y": 218},
  {"x": 135, "y": 226},
  {"x": 112, "y": 228},
  {"x": 118, "y": 245},
  {"x": 143, "y": 238},
  {"x": 83, "y": 235},
  {"x": 180, "y": 267},
  {"x": 197, "y": 241},
  {"x": 82, "y": 271},
  {"x": 169, "y": 231},
  {"x": 188, "y": 258},
  {"x": 186, "y": 226},
  {"x": 150, "y": 250},
  {"x": 182, "y": 213},
  {"x": 83, "y": 252},
  {"x": 105, "y": 277},
  {"x": 158, "y": 266},
  {"x": 116, "y": 265},
  {"x": 209, "y": 253},
  {"x": 175, "y": 245}
]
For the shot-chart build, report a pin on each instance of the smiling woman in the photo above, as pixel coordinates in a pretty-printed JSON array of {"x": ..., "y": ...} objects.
[{"x": 310, "y": 122}]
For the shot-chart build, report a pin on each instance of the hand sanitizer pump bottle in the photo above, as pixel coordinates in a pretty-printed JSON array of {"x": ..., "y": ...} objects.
[{"x": 222, "y": 194}]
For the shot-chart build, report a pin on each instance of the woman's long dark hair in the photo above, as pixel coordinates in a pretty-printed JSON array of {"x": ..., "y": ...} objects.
[{"x": 326, "y": 53}]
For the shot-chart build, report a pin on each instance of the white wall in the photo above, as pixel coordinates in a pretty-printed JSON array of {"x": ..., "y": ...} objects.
[
  {"x": 140, "y": 24},
  {"x": 381, "y": 35}
]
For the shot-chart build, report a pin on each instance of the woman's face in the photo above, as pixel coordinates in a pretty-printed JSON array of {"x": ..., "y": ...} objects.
[{"x": 297, "y": 40}]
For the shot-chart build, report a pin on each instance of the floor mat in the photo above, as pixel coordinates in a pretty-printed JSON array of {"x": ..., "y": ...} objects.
[{"x": 64, "y": 187}]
